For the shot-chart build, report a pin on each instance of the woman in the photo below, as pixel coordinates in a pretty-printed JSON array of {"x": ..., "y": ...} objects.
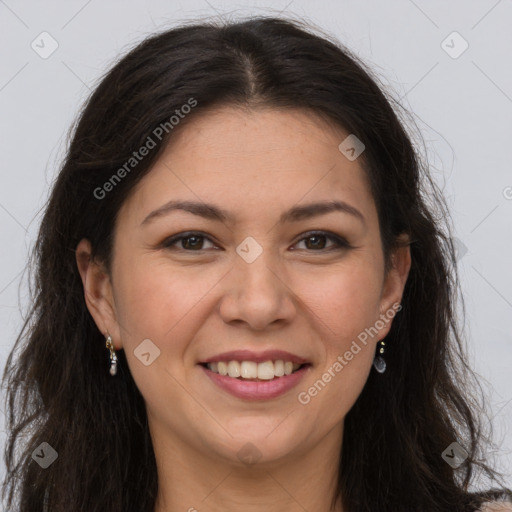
[{"x": 240, "y": 231}]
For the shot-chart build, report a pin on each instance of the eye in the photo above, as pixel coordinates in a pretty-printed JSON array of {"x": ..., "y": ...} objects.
[
  {"x": 314, "y": 241},
  {"x": 192, "y": 241}
]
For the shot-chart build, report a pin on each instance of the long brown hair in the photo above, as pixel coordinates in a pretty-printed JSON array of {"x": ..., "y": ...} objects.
[{"x": 59, "y": 390}]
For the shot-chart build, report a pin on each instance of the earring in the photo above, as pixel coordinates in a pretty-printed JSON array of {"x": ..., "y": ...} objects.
[
  {"x": 113, "y": 357},
  {"x": 378, "y": 363}
]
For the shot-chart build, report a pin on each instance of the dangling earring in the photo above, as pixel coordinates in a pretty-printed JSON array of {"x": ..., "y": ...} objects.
[
  {"x": 113, "y": 357},
  {"x": 378, "y": 363}
]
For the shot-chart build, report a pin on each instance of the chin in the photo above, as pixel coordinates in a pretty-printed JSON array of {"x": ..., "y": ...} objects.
[{"x": 257, "y": 447}]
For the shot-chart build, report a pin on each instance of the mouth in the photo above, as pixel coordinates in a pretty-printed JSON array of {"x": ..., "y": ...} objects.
[
  {"x": 252, "y": 371},
  {"x": 255, "y": 381},
  {"x": 251, "y": 375}
]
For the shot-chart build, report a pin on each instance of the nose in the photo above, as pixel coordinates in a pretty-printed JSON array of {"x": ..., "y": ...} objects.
[{"x": 258, "y": 294}]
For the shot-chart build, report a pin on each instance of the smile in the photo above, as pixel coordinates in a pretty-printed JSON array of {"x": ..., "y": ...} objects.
[
  {"x": 254, "y": 388},
  {"x": 251, "y": 370}
]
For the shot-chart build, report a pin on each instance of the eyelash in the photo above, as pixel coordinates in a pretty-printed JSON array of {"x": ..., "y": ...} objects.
[{"x": 340, "y": 243}]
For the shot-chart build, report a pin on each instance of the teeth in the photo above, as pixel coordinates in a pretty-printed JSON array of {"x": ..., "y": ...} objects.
[
  {"x": 222, "y": 368},
  {"x": 234, "y": 369},
  {"x": 266, "y": 370},
  {"x": 251, "y": 370}
]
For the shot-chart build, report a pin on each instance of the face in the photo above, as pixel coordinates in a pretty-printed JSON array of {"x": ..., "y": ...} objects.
[{"x": 270, "y": 275}]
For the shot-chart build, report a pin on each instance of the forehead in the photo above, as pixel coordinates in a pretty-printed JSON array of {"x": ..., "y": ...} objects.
[
  {"x": 261, "y": 132},
  {"x": 250, "y": 159}
]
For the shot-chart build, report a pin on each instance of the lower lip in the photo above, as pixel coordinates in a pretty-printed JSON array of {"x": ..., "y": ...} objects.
[{"x": 257, "y": 390}]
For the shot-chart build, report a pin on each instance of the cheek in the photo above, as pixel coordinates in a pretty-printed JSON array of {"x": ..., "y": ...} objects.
[
  {"x": 334, "y": 393},
  {"x": 344, "y": 300},
  {"x": 152, "y": 297},
  {"x": 345, "y": 305},
  {"x": 158, "y": 303},
  {"x": 167, "y": 306}
]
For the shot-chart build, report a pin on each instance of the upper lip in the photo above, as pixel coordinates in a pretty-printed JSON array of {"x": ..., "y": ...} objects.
[{"x": 257, "y": 357}]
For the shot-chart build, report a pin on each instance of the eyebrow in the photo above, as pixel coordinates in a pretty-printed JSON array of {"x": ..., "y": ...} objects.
[{"x": 295, "y": 214}]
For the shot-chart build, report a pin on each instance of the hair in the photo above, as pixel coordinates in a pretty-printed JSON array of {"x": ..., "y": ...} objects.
[{"x": 59, "y": 389}]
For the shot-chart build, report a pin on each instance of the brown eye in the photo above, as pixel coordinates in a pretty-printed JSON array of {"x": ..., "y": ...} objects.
[
  {"x": 189, "y": 242},
  {"x": 316, "y": 241}
]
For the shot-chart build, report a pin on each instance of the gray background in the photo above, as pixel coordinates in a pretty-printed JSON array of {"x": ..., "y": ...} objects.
[{"x": 462, "y": 107}]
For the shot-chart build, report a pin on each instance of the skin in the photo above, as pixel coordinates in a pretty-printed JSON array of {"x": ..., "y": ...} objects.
[{"x": 193, "y": 304}]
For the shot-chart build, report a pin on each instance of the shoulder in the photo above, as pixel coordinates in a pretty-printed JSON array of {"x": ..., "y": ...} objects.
[{"x": 496, "y": 506}]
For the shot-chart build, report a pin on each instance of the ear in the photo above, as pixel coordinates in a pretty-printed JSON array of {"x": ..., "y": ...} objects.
[
  {"x": 394, "y": 283},
  {"x": 98, "y": 292}
]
